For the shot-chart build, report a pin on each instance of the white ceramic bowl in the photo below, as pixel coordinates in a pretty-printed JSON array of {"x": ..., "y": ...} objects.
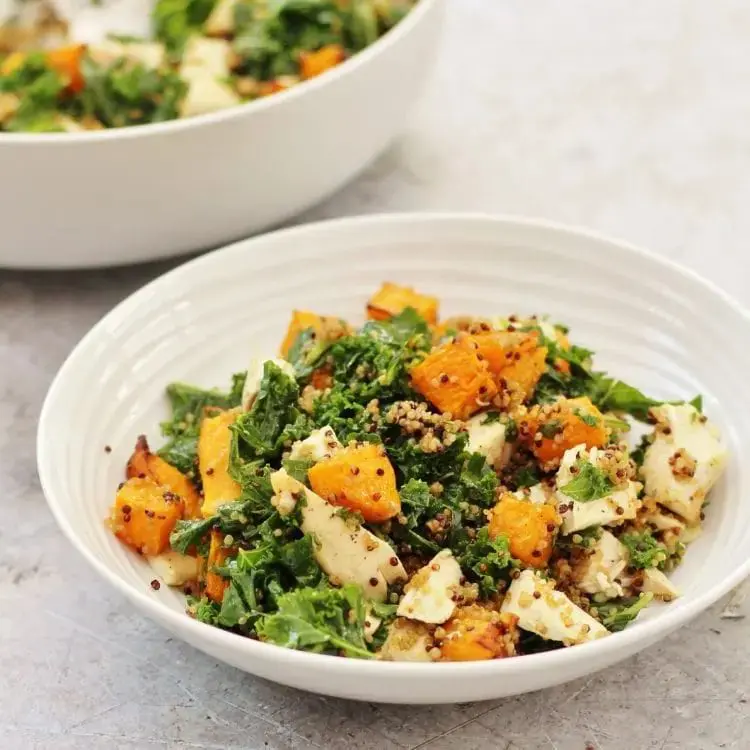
[
  {"x": 133, "y": 194},
  {"x": 649, "y": 321}
]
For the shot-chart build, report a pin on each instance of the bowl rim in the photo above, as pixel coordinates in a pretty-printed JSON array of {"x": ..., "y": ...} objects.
[
  {"x": 605, "y": 650},
  {"x": 350, "y": 65}
]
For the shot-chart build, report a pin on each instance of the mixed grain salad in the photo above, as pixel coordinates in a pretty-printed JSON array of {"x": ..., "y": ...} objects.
[
  {"x": 420, "y": 489},
  {"x": 205, "y": 55}
]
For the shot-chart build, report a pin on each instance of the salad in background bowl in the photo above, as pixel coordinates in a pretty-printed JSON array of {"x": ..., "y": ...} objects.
[
  {"x": 204, "y": 56},
  {"x": 242, "y": 161}
]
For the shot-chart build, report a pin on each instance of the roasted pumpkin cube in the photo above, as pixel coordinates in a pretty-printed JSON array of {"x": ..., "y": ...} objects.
[
  {"x": 216, "y": 584},
  {"x": 143, "y": 463},
  {"x": 477, "y": 633},
  {"x": 515, "y": 359},
  {"x": 66, "y": 61},
  {"x": 325, "y": 327},
  {"x": 392, "y": 299},
  {"x": 358, "y": 477},
  {"x": 454, "y": 379},
  {"x": 321, "y": 378},
  {"x": 461, "y": 324},
  {"x": 214, "y": 446},
  {"x": 144, "y": 515},
  {"x": 530, "y": 528},
  {"x": 552, "y": 429},
  {"x": 312, "y": 64},
  {"x": 564, "y": 343}
]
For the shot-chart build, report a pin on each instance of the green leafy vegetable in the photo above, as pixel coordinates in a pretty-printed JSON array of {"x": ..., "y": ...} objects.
[
  {"x": 259, "y": 578},
  {"x": 298, "y": 468},
  {"x": 488, "y": 561},
  {"x": 128, "y": 93},
  {"x": 644, "y": 551},
  {"x": 589, "y": 483},
  {"x": 274, "y": 418},
  {"x": 203, "y": 610},
  {"x": 187, "y": 534},
  {"x": 322, "y": 620},
  {"x": 188, "y": 403},
  {"x": 39, "y": 89},
  {"x": 617, "y": 614},
  {"x": 175, "y": 20}
]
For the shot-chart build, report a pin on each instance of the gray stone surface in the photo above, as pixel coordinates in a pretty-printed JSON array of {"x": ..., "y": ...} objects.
[{"x": 627, "y": 116}]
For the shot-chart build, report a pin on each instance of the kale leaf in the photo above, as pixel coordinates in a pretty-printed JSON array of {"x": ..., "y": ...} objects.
[
  {"x": 187, "y": 534},
  {"x": 321, "y": 620},
  {"x": 39, "y": 89},
  {"x": 644, "y": 551},
  {"x": 258, "y": 578},
  {"x": 589, "y": 483},
  {"x": 188, "y": 404},
  {"x": 175, "y": 20},
  {"x": 273, "y": 420},
  {"x": 617, "y": 614},
  {"x": 128, "y": 93},
  {"x": 487, "y": 561},
  {"x": 375, "y": 361}
]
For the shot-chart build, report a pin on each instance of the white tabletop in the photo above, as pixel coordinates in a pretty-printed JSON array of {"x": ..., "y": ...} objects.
[{"x": 630, "y": 117}]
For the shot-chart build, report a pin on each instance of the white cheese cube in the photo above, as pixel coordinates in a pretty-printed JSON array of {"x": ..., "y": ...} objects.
[
  {"x": 407, "y": 641},
  {"x": 488, "y": 439},
  {"x": 320, "y": 444},
  {"x": 345, "y": 550},
  {"x": 9, "y": 104},
  {"x": 207, "y": 94},
  {"x": 254, "y": 378},
  {"x": 205, "y": 56},
  {"x": 430, "y": 593},
  {"x": 684, "y": 461},
  {"x": 537, "y": 494},
  {"x": 173, "y": 568},
  {"x": 550, "y": 614},
  {"x": 655, "y": 582},
  {"x": 621, "y": 505},
  {"x": 149, "y": 54},
  {"x": 221, "y": 20},
  {"x": 601, "y": 572}
]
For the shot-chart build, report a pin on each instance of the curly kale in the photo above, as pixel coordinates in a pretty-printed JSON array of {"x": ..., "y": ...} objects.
[
  {"x": 643, "y": 550},
  {"x": 188, "y": 405}
]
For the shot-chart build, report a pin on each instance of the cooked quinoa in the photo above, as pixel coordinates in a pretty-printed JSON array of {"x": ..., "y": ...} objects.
[{"x": 419, "y": 490}]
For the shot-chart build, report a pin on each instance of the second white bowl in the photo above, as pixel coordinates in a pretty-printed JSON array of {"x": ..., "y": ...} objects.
[{"x": 128, "y": 195}]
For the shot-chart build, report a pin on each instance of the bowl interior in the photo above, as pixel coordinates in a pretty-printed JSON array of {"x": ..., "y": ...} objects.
[{"x": 651, "y": 324}]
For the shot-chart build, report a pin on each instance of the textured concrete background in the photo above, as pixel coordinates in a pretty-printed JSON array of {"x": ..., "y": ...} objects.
[{"x": 630, "y": 117}]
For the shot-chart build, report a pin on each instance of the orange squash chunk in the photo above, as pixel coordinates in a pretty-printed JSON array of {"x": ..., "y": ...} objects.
[
  {"x": 454, "y": 379},
  {"x": 360, "y": 478},
  {"x": 144, "y": 515},
  {"x": 312, "y": 64},
  {"x": 477, "y": 633},
  {"x": 392, "y": 299},
  {"x": 515, "y": 358},
  {"x": 66, "y": 61},
  {"x": 530, "y": 528},
  {"x": 143, "y": 463},
  {"x": 216, "y": 584},
  {"x": 214, "y": 444},
  {"x": 326, "y": 327},
  {"x": 564, "y": 343},
  {"x": 551, "y": 430}
]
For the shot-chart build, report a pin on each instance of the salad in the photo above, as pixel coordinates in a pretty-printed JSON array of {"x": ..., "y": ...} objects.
[
  {"x": 205, "y": 55},
  {"x": 420, "y": 489}
]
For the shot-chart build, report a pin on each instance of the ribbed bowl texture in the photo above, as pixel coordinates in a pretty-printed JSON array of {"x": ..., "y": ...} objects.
[{"x": 651, "y": 323}]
